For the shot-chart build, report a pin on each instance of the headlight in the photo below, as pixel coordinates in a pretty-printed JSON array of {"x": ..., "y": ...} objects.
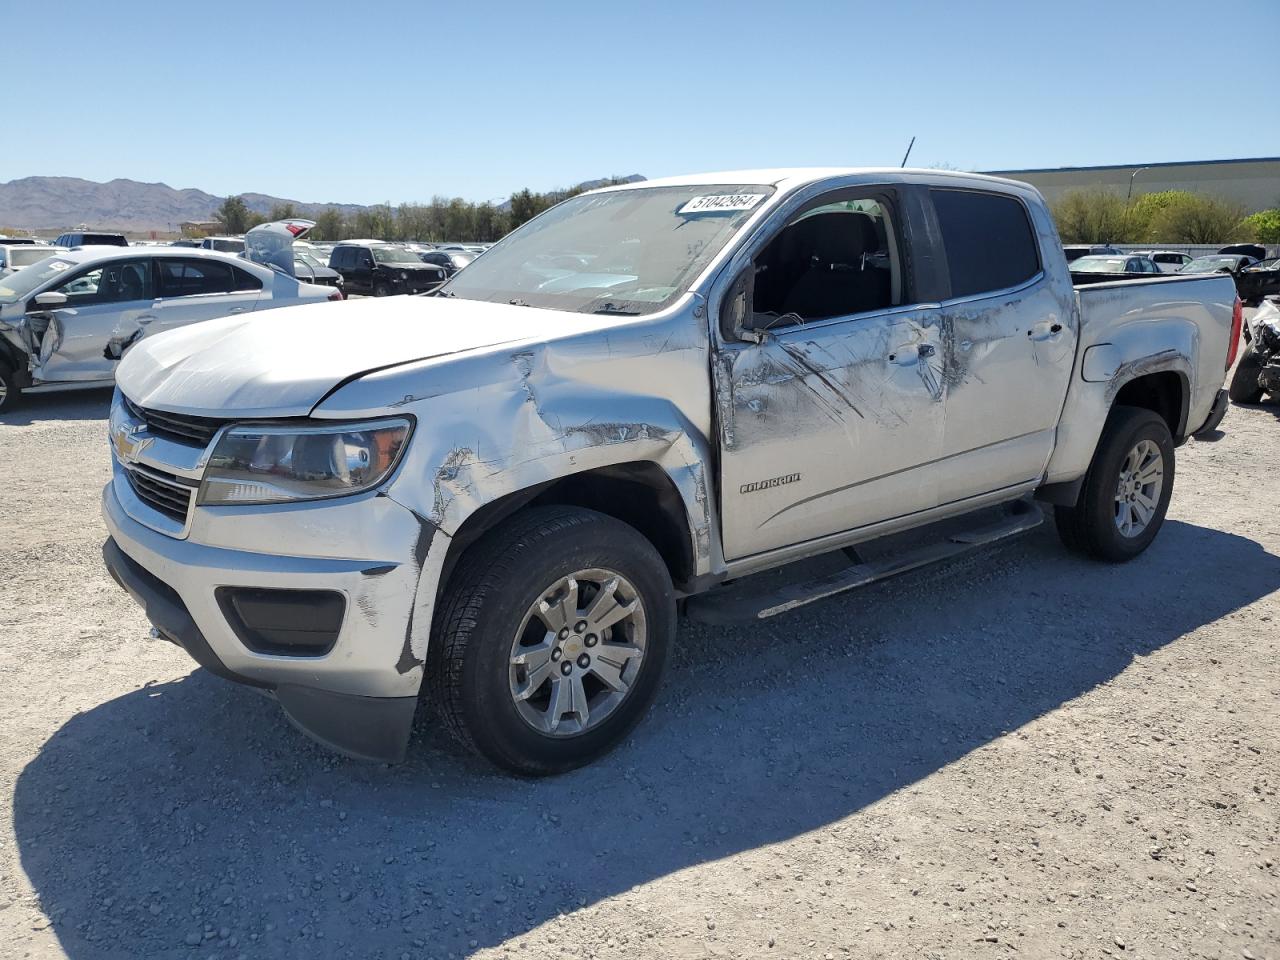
[
  {"x": 404, "y": 275},
  {"x": 283, "y": 464}
]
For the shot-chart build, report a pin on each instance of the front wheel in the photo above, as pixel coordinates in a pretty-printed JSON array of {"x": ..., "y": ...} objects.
[
  {"x": 9, "y": 389},
  {"x": 551, "y": 639},
  {"x": 381, "y": 289},
  {"x": 1126, "y": 491}
]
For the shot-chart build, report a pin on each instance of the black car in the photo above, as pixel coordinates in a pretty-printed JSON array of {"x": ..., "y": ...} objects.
[
  {"x": 1259, "y": 280},
  {"x": 452, "y": 261},
  {"x": 80, "y": 239},
  {"x": 383, "y": 269}
]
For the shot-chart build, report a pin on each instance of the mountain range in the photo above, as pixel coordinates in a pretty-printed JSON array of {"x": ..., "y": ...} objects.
[{"x": 50, "y": 203}]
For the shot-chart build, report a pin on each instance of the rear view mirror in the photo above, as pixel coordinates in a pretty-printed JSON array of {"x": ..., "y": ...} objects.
[{"x": 51, "y": 300}]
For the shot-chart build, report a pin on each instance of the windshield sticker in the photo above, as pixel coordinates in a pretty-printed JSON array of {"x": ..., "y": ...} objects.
[
  {"x": 6, "y": 292},
  {"x": 723, "y": 203},
  {"x": 58, "y": 265}
]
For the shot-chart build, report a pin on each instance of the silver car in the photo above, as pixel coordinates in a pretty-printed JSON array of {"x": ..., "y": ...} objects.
[{"x": 66, "y": 320}]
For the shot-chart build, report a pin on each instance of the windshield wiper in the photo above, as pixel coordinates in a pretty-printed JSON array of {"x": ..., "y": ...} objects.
[
  {"x": 517, "y": 302},
  {"x": 616, "y": 311}
]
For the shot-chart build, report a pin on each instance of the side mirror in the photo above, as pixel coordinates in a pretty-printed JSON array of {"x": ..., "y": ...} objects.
[{"x": 50, "y": 300}]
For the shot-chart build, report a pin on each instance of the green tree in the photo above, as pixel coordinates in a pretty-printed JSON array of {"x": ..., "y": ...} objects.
[
  {"x": 328, "y": 225},
  {"x": 1263, "y": 227},
  {"x": 1196, "y": 218},
  {"x": 282, "y": 211},
  {"x": 1145, "y": 209},
  {"x": 234, "y": 215},
  {"x": 1089, "y": 216}
]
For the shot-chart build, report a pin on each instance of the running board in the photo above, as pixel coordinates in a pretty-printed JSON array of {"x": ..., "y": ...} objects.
[{"x": 742, "y": 601}]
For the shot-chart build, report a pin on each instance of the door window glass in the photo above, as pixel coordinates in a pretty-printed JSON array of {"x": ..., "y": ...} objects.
[
  {"x": 116, "y": 282},
  {"x": 189, "y": 278},
  {"x": 988, "y": 240},
  {"x": 833, "y": 260}
]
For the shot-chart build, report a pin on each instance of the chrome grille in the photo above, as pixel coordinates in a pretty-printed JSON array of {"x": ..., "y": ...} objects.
[
  {"x": 167, "y": 494},
  {"x": 178, "y": 426}
]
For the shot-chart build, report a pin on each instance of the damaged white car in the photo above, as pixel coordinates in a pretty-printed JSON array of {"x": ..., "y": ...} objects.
[
  {"x": 66, "y": 320},
  {"x": 500, "y": 496}
]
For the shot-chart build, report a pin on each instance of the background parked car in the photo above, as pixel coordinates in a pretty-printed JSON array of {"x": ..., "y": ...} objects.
[
  {"x": 1103, "y": 269},
  {"x": 383, "y": 269},
  {"x": 1231, "y": 263},
  {"x": 185, "y": 242},
  {"x": 223, "y": 244},
  {"x": 1169, "y": 261},
  {"x": 307, "y": 267},
  {"x": 83, "y": 239},
  {"x": 1259, "y": 280},
  {"x": 14, "y": 241},
  {"x": 66, "y": 321},
  {"x": 451, "y": 261},
  {"x": 1074, "y": 251},
  {"x": 15, "y": 257}
]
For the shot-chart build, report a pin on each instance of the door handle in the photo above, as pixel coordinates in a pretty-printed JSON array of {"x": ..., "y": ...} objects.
[
  {"x": 1044, "y": 330},
  {"x": 905, "y": 356},
  {"x": 145, "y": 320},
  {"x": 239, "y": 309}
]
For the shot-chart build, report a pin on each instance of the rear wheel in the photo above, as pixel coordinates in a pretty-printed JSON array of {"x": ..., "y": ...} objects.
[
  {"x": 1244, "y": 382},
  {"x": 1126, "y": 492},
  {"x": 9, "y": 389},
  {"x": 552, "y": 639}
]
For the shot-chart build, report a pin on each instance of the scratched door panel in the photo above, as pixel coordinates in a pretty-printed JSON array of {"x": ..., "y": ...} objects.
[
  {"x": 1006, "y": 381},
  {"x": 830, "y": 426}
]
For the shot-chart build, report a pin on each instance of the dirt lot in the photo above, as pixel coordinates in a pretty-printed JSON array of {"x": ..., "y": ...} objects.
[{"x": 1021, "y": 754}]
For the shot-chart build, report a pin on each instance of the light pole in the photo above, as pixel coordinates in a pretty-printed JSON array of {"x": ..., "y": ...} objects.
[
  {"x": 1133, "y": 176},
  {"x": 1128, "y": 196}
]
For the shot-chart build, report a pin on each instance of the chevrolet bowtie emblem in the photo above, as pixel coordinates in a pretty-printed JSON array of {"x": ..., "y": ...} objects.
[{"x": 128, "y": 445}]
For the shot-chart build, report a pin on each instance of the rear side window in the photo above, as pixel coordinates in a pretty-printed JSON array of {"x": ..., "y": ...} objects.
[
  {"x": 189, "y": 278},
  {"x": 988, "y": 239},
  {"x": 244, "y": 280}
]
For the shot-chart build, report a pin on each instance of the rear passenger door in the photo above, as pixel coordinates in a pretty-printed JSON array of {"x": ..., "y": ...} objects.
[
  {"x": 196, "y": 289},
  {"x": 1011, "y": 343}
]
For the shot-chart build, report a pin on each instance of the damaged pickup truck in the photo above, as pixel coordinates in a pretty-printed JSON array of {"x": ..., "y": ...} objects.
[{"x": 725, "y": 396}]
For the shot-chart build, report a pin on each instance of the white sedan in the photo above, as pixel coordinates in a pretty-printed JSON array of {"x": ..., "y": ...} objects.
[{"x": 66, "y": 320}]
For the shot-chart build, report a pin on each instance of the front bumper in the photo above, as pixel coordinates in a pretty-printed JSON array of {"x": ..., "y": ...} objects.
[{"x": 358, "y": 697}]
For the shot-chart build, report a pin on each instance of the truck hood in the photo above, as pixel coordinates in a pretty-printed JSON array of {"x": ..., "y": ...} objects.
[{"x": 281, "y": 363}]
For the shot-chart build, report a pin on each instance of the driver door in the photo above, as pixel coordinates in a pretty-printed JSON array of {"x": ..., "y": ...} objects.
[
  {"x": 834, "y": 419},
  {"x": 101, "y": 300}
]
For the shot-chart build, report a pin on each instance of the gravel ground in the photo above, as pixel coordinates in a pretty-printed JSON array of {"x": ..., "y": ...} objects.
[{"x": 1020, "y": 753}]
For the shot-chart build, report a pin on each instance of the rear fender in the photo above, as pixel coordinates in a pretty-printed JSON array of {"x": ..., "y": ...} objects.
[{"x": 1104, "y": 369}]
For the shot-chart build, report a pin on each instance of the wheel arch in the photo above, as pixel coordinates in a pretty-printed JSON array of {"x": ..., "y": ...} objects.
[
  {"x": 640, "y": 494},
  {"x": 1166, "y": 393}
]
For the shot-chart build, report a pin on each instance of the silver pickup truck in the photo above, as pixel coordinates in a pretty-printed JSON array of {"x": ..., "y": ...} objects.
[{"x": 723, "y": 396}]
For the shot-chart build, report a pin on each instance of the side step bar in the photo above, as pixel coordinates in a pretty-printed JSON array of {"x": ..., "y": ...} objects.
[{"x": 736, "y": 602}]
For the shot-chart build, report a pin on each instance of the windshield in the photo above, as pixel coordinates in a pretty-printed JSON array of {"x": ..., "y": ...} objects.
[
  {"x": 625, "y": 251},
  {"x": 18, "y": 285},
  {"x": 395, "y": 255},
  {"x": 306, "y": 258},
  {"x": 1098, "y": 265},
  {"x": 1209, "y": 264}
]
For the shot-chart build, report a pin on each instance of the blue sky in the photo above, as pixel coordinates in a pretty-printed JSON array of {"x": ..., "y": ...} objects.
[{"x": 397, "y": 101}]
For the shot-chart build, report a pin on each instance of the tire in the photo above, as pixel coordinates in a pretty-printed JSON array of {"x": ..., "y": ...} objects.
[
  {"x": 1244, "y": 382},
  {"x": 473, "y": 672},
  {"x": 381, "y": 290},
  {"x": 10, "y": 392},
  {"x": 1093, "y": 525}
]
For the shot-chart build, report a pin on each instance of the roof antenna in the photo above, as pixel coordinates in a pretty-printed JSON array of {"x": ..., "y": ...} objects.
[{"x": 908, "y": 153}]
